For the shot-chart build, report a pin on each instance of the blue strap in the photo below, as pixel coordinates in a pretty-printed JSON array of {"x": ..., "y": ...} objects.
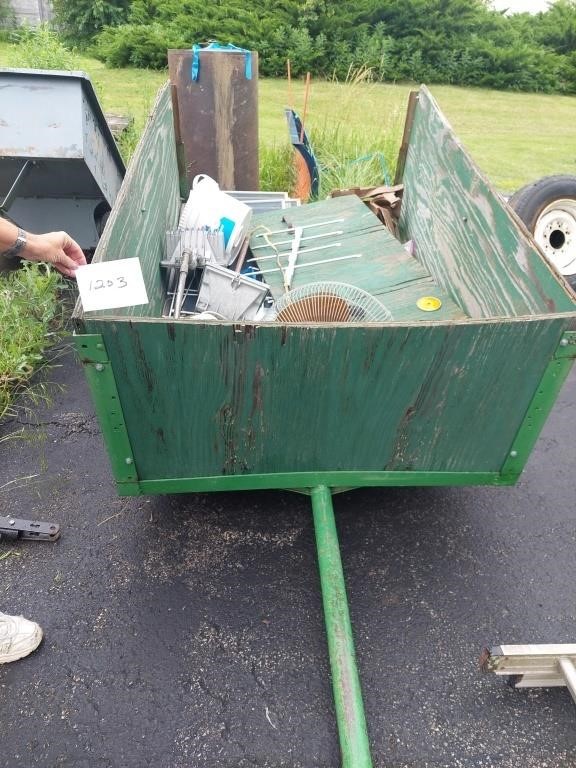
[{"x": 218, "y": 47}]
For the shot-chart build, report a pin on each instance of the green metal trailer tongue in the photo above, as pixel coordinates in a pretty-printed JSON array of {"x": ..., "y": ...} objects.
[{"x": 352, "y": 730}]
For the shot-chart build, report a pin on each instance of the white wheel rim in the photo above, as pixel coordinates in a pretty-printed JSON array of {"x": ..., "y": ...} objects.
[{"x": 555, "y": 233}]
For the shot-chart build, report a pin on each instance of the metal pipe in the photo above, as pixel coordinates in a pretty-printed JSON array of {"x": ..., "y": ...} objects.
[
  {"x": 352, "y": 730},
  {"x": 184, "y": 263},
  {"x": 11, "y": 194}
]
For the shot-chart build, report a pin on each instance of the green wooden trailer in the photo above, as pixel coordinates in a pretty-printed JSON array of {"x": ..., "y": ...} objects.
[{"x": 455, "y": 397}]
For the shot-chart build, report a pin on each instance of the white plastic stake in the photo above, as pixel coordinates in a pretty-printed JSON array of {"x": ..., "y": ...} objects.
[
  {"x": 289, "y": 273},
  {"x": 335, "y": 233},
  {"x": 303, "y": 252},
  {"x": 291, "y": 229},
  {"x": 309, "y": 264}
]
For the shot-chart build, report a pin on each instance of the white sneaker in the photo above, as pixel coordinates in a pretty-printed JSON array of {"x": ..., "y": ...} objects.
[{"x": 18, "y": 637}]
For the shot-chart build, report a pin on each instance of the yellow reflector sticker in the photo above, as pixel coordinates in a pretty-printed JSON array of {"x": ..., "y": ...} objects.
[{"x": 428, "y": 303}]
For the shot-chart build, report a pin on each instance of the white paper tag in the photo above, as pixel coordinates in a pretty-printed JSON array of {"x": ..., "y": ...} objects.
[{"x": 111, "y": 284}]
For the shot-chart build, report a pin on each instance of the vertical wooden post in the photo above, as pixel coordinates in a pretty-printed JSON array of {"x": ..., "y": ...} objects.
[{"x": 218, "y": 115}]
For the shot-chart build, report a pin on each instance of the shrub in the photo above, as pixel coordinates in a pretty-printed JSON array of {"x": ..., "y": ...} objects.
[
  {"x": 459, "y": 42},
  {"x": 82, "y": 19},
  {"x": 137, "y": 45},
  {"x": 568, "y": 73},
  {"x": 41, "y": 48}
]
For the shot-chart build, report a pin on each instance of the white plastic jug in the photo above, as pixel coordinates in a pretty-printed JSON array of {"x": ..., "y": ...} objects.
[{"x": 208, "y": 206}]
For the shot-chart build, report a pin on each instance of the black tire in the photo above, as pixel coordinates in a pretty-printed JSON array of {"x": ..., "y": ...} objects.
[{"x": 555, "y": 234}]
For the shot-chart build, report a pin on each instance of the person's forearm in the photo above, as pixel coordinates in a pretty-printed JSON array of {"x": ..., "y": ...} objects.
[
  {"x": 56, "y": 248},
  {"x": 8, "y": 239},
  {"x": 8, "y": 235}
]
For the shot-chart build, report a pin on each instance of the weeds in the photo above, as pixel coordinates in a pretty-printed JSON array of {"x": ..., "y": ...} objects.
[
  {"x": 351, "y": 158},
  {"x": 31, "y": 322},
  {"x": 348, "y": 154},
  {"x": 128, "y": 142},
  {"x": 276, "y": 168},
  {"x": 355, "y": 156},
  {"x": 41, "y": 48}
]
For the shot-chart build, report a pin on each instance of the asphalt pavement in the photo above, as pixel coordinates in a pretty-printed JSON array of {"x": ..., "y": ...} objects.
[{"x": 187, "y": 631}]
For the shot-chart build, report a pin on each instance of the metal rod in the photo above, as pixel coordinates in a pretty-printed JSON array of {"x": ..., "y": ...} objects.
[
  {"x": 11, "y": 194},
  {"x": 289, "y": 73},
  {"x": 310, "y": 264},
  {"x": 181, "y": 283},
  {"x": 352, "y": 731},
  {"x": 305, "y": 109},
  {"x": 569, "y": 671}
]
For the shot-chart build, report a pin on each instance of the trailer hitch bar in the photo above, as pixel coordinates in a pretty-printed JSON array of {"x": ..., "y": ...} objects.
[{"x": 350, "y": 716}]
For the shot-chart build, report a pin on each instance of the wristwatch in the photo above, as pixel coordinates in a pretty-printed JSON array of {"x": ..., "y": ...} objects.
[{"x": 19, "y": 244}]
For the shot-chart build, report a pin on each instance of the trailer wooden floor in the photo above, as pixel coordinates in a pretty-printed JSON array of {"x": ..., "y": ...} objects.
[{"x": 344, "y": 227}]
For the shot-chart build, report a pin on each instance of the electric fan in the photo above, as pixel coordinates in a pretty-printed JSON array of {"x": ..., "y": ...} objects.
[{"x": 330, "y": 302}]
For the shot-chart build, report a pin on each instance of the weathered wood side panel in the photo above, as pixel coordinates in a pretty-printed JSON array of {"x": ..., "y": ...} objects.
[
  {"x": 463, "y": 232},
  {"x": 147, "y": 205},
  {"x": 226, "y": 400}
]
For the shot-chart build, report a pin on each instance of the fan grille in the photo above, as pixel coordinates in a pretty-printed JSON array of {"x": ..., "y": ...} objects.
[{"x": 330, "y": 302}]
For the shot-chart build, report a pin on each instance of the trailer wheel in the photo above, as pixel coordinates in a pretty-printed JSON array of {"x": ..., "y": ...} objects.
[{"x": 548, "y": 208}]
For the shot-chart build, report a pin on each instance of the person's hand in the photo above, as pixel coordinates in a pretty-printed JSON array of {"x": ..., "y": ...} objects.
[{"x": 56, "y": 248}]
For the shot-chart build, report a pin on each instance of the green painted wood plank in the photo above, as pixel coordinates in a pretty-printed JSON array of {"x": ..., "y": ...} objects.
[
  {"x": 349, "y": 210},
  {"x": 465, "y": 234},
  {"x": 401, "y": 301},
  {"x": 147, "y": 205},
  {"x": 230, "y": 400},
  {"x": 376, "y": 270},
  {"x": 475, "y": 396},
  {"x": 383, "y": 266}
]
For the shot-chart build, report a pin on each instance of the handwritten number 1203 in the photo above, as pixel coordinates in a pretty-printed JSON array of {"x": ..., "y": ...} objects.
[{"x": 117, "y": 282}]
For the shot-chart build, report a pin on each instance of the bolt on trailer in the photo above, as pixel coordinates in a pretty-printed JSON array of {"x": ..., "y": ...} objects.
[{"x": 450, "y": 387}]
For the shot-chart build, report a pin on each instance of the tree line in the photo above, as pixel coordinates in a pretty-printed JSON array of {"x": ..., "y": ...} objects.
[{"x": 460, "y": 42}]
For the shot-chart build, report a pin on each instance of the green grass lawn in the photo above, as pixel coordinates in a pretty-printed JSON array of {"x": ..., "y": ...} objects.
[{"x": 514, "y": 137}]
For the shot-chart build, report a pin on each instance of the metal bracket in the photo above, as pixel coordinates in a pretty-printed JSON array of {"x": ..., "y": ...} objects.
[
  {"x": 15, "y": 528},
  {"x": 567, "y": 347},
  {"x": 554, "y": 376},
  {"x": 100, "y": 375}
]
